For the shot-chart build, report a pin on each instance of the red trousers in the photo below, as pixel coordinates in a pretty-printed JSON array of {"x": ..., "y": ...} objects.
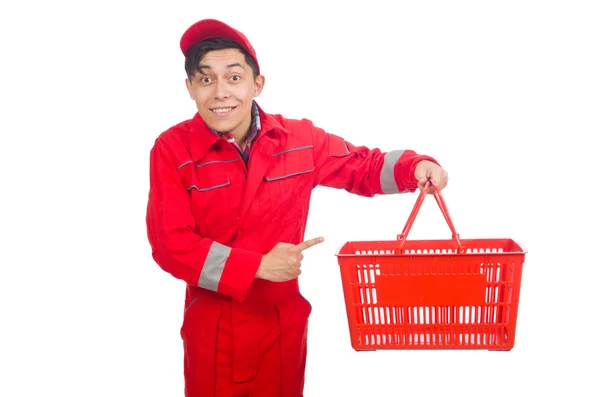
[{"x": 253, "y": 349}]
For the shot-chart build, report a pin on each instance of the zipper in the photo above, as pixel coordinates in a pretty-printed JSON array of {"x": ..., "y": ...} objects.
[{"x": 239, "y": 155}]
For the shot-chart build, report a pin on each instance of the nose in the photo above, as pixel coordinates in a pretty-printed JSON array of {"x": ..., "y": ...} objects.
[{"x": 221, "y": 90}]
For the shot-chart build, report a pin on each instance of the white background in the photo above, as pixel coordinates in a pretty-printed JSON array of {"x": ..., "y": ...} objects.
[{"x": 504, "y": 94}]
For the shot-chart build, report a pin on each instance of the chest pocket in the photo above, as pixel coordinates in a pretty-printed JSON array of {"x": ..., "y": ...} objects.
[
  {"x": 289, "y": 182},
  {"x": 211, "y": 190}
]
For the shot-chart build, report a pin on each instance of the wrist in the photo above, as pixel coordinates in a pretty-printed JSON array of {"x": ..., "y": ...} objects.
[
  {"x": 259, "y": 271},
  {"x": 421, "y": 166}
]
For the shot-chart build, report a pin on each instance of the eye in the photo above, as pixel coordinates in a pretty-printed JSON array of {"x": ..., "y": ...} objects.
[
  {"x": 205, "y": 80},
  {"x": 235, "y": 77}
]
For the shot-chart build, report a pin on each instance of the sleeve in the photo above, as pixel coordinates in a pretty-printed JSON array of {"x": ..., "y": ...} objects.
[
  {"x": 178, "y": 249},
  {"x": 363, "y": 171}
]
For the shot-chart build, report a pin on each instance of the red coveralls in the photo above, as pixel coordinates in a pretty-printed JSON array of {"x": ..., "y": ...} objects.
[{"x": 210, "y": 220}]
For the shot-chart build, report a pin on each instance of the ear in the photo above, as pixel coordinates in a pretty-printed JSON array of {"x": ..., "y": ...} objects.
[
  {"x": 259, "y": 83},
  {"x": 188, "y": 85}
]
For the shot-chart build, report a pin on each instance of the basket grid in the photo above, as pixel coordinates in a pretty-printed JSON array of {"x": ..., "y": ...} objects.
[{"x": 384, "y": 326}]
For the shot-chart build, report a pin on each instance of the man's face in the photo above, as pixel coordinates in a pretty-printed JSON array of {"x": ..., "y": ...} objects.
[{"x": 224, "y": 91}]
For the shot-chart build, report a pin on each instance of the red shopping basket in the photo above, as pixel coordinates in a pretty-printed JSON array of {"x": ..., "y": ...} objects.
[{"x": 431, "y": 294}]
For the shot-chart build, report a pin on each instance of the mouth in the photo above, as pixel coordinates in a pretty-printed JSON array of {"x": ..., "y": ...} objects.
[{"x": 223, "y": 111}]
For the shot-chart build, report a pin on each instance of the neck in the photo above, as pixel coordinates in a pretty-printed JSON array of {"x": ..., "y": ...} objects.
[{"x": 240, "y": 134}]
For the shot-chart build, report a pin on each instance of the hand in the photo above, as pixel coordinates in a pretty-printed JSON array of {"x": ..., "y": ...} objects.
[
  {"x": 426, "y": 170},
  {"x": 284, "y": 261}
]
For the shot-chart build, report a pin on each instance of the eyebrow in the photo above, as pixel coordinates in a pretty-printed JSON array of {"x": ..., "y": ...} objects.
[{"x": 231, "y": 65}]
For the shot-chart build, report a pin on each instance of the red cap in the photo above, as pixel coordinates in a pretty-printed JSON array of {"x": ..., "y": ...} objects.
[{"x": 209, "y": 28}]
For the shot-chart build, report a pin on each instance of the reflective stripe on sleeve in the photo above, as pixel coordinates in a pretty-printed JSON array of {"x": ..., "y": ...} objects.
[
  {"x": 388, "y": 182},
  {"x": 213, "y": 266}
]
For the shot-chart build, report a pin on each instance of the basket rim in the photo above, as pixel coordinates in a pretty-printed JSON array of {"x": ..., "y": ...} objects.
[{"x": 522, "y": 250}]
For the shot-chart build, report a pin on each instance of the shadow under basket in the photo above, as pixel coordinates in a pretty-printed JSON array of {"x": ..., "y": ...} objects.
[{"x": 431, "y": 294}]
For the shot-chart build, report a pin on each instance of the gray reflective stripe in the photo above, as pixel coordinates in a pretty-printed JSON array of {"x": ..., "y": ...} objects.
[
  {"x": 292, "y": 149},
  {"x": 191, "y": 303},
  {"x": 275, "y": 178},
  {"x": 187, "y": 162},
  {"x": 217, "y": 161},
  {"x": 213, "y": 266},
  {"x": 388, "y": 182},
  {"x": 208, "y": 188}
]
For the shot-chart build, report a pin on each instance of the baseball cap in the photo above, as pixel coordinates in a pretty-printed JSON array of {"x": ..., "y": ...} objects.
[{"x": 209, "y": 28}]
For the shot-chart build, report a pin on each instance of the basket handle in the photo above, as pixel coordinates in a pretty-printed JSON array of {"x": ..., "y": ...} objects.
[{"x": 440, "y": 200}]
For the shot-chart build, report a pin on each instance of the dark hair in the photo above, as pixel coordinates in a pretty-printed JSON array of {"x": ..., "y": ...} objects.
[{"x": 198, "y": 51}]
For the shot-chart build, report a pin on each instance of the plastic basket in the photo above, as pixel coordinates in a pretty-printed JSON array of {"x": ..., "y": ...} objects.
[{"x": 431, "y": 294}]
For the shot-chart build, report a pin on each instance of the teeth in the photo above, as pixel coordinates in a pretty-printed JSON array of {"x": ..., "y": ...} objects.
[{"x": 222, "y": 110}]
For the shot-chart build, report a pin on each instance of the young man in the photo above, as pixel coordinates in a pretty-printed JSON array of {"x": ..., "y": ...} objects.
[{"x": 227, "y": 209}]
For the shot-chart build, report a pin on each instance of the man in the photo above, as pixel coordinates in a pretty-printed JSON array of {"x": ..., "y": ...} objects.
[{"x": 227, "y": 210}]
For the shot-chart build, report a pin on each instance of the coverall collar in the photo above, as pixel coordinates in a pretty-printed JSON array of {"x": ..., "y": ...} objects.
[{"x": 202, "y": 138}]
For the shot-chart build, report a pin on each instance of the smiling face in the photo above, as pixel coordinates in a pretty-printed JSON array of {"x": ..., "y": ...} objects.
[{"x": 223, "y": 88}]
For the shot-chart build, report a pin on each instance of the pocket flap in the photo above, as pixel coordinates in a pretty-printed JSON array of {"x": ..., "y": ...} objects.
[
  {"x": 291, "y": 162},
  {"x": 209, "y": 175}
]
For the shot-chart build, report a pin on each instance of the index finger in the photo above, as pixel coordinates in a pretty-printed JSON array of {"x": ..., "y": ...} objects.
[{"x": 308, "y": 243}]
